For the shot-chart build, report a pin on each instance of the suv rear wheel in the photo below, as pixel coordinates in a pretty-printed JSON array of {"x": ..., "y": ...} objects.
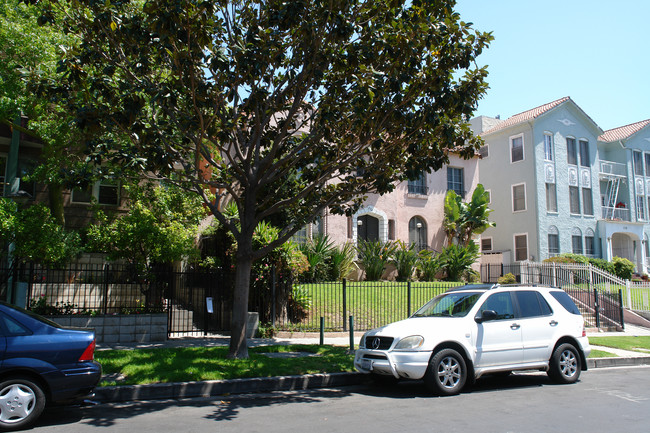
[
  {"x": 447, "y": 372},
  {"x": 565, "y": 364}
]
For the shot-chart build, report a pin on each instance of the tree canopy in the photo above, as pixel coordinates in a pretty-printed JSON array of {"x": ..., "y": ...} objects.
[{"x": 281, "y": 107}]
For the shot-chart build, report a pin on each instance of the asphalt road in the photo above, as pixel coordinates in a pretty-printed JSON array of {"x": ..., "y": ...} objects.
[{"x": 605, "y": 400}]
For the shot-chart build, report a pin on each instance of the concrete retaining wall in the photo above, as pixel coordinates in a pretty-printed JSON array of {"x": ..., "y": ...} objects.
[{"x": 130, "y": 328}]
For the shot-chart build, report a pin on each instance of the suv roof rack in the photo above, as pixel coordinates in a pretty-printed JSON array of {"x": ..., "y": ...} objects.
[{"x": 474, "y": 287}]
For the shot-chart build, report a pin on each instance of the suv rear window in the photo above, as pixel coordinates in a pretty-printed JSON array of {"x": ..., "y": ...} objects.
[{"x": 566, "y": 302}]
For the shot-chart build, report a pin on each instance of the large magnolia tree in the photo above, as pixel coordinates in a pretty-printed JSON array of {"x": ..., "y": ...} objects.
[{"x": 282, "y": 107}]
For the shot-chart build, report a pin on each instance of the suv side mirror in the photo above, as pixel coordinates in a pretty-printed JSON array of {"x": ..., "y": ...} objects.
[{"x": 485, "y": 316}]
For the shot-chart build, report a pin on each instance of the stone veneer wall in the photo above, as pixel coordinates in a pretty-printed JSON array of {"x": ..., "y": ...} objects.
[{"x": 129, "y": 328}]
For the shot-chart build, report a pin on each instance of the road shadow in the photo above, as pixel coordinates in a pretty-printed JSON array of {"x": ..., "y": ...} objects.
[
  {"x": 226, "y": 408},
  {"x": 406, "y": 389}
]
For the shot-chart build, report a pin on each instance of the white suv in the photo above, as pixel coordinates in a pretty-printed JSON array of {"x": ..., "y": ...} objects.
[{"x": 473, "y": 330}]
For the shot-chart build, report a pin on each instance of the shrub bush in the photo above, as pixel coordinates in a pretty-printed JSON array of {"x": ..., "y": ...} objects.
[{"x": 508, "y": 278}]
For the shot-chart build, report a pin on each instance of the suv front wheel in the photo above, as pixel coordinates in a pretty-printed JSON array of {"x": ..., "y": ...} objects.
[
  {"x": 447, "y": 372},
  {"x": 565, "y": 364}
]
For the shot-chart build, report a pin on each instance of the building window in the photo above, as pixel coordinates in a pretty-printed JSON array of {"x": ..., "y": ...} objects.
[
  {"x": 517, "y": 148},
  {"x": 455, "y": 181},
  {"x": 571, "y": 152},
  {"x": 590, "y": 243},
  {"x": 419, "y": 185},
  {"x": 486, "y": 244},
  {"x": 640, "y": 208},
  {"x": 553, "y": 242},
  {"x": 584, "y": 153},
  {"x": 548, "y": 147},
  {"x": 106, "y": 192},
  {"x": 574, "y": 200},
  {"x": 587, "y": 202},
  {"x": 638, "y": 162},
  {"x": 576, "y": 241},
  {"x": 551, "y": 197},
  {"x": 647, "y": 163},
  {"x": 519, "y": 197},
  {"x": 3, "y": 168},
  {"x": 24, "y": 169},
  {"x": 521, "y": 247},
  {"x": 418, "y": 233},
  {"x": 391, "y": 230}
]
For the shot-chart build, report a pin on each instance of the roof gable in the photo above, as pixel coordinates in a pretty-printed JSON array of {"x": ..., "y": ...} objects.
[
  {"x": 527, "y": 115},
  {"x": 623, "y": 132}
]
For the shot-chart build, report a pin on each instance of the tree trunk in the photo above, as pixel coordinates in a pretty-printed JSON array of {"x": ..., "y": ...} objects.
[
  {"x": 238, "y": 344},
  {"x": 55, "y": 192}
]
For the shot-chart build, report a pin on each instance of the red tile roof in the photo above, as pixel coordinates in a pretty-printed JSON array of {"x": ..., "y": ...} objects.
[
  {"x": 623, "y": 132},
  {"x": 526, "y": 115}
]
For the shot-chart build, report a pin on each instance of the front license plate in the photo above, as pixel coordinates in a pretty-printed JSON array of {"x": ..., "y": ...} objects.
[{"x": 366, "y": 364}]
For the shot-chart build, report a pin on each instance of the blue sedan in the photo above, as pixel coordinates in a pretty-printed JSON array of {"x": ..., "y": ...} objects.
[{"x": 41, "y": 362}]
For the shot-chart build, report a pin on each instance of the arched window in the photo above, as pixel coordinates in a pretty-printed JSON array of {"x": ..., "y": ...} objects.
[
  {"x": 368, "y": 228},
  {"x": 590, "y": 243},
  {"x": 576, "y": 241},
  {"x": 418, "y": 233}
]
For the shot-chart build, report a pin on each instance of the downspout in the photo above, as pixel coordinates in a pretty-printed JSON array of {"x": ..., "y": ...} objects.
[{"x": 537, "y": 196}]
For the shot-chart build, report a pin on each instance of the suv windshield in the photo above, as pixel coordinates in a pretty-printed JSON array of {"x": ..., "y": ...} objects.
[{"x": 456, "y": 304}]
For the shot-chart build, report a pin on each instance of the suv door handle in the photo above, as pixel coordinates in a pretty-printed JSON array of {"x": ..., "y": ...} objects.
[
  {"x": 515, "y": 326},
  {"x": 553, "y": 323}
]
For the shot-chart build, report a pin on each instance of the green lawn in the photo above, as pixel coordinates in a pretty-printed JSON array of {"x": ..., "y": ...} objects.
[
  {"x": 636, "y": 344},
  {"x": 131, "y": 367}
]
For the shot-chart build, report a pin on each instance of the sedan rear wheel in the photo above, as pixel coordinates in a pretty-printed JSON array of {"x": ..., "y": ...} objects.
[
  {"x": 447, "y": 372},
  {"x": 21, "y": 403}
]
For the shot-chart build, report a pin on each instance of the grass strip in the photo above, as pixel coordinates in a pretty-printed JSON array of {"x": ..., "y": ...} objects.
[
  {"x": 134, "y": 367},
  {"x": 628, "y": 342}
]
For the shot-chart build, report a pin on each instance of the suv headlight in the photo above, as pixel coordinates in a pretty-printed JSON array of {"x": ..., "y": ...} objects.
[{"x": 412, "y": 342}]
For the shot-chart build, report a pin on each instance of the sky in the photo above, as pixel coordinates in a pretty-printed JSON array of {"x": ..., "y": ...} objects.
[{"x": 594, "y": 51}]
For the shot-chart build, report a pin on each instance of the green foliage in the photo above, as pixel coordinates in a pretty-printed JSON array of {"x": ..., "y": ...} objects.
[
  {"x": 623, "y": 268},
  {"x": 35, "y": 234},
  {"x": 318, "y": 251},
  {"x": 374, "y": 256},
  {"x": 160, "y": 227},
  {"x": 405, "y": 257},
  {"x": 41, "y": 306},
  {"x": 457, "y": 260},
  {"x": 464, "y": 220},
  {"x": 342, "y": 258},
  {"x": 508, "y": 278},
  {"x": 428, "y": 265}
]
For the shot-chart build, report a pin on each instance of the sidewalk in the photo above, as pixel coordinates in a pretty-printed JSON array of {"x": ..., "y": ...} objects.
[{"x": 287, "y": 383}]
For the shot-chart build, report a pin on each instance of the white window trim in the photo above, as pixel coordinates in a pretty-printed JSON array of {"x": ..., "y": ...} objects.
[
  {"x": 512, "y": 198},
  {"x": 95, "y": 194},
  {"x": 523, "y": 147},
  {"x": 491, "y": 242},
  {"x": 514, "y": 246},
  {"x": 550, "y": 135}
]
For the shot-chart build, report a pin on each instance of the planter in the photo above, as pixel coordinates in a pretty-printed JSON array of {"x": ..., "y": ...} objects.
[{"x": 120, "y": 328}]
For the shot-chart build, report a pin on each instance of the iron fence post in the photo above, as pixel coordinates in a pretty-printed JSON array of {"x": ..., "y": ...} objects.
[
  {"x": 408, "y": 297},
  {"x": 273, "y": 288},
  {"x": 30, "y": 283},
  {"x": 351, "y": 333},
  {"x": 345, "y": 306},
  {"x": 620, "y": 298},
  {"x": 106, "y": 273}
]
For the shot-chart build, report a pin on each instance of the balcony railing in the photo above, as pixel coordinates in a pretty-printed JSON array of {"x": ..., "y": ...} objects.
[
  {"x": 616, "y": 214},
  {"x": 610, "y": 168}
]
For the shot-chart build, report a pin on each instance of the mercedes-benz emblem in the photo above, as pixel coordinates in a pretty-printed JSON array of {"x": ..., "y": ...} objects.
[{"x": 376, "y": 342}]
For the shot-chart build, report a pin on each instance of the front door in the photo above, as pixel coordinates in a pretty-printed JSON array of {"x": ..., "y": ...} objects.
[
  {"x": 368, "y": 229},
  {"x": 498, "y": 341}
]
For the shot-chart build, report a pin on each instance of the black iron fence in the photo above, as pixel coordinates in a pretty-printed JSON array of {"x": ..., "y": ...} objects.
[{"x": 200, "y": 301}]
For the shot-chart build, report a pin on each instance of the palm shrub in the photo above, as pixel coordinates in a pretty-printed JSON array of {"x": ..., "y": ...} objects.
[
  {"x": 404, "y": 258},
  {"x": 374, "y": 256},
  {"x": 318, "y": 252},
  {"x": 457, "y": 261},
  {"x": 342, "y": 261},
  {"x": 428, "y": 265}
]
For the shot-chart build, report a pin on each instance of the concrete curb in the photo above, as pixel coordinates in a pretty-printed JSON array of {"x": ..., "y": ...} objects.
[{"x": 212, "y": 388}]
